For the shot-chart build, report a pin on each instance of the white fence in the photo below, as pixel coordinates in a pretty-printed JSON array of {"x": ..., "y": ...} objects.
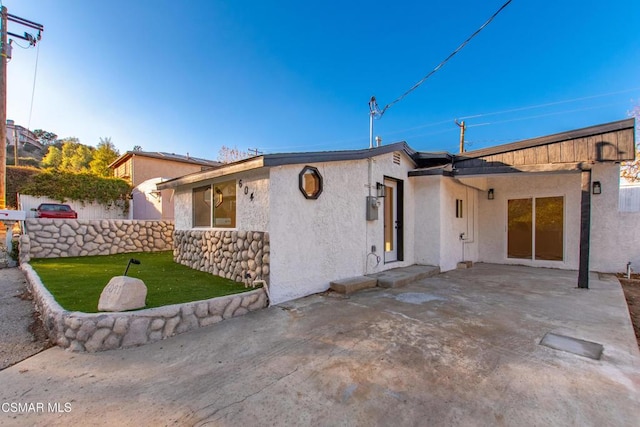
[
  {"x": 85, "y": 210},
  {"x": 629, "y": 200}
]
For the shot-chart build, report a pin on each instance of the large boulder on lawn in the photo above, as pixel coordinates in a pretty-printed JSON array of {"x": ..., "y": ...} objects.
[{"x": 123, "y": 293}]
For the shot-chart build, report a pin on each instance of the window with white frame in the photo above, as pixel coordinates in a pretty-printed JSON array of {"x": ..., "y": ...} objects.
[{"x": 215, "y": 205}]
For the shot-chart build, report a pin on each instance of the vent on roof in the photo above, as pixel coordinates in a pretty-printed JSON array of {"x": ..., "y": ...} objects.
[{"x": 396, "y": 158}]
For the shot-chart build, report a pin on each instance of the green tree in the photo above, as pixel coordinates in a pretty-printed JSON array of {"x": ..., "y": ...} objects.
[
  {"x": 75, "y": 156},
  {"x": 104, "y": 154},
  {"x": 45, "y": 138},
  {"x": 53, "y": 158}
]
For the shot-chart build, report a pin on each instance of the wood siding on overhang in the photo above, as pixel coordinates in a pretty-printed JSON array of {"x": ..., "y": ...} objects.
[{"x": 612, "y": 146}]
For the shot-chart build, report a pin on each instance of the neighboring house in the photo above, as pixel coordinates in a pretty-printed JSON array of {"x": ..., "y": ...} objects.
[
  {"x": 325, "y": 216},
  {"x": 143, "y": 169},
  {"x": 26, "y": 139}
]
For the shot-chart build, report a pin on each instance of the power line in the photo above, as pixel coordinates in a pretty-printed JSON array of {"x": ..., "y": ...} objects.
[
  {"x": 544, "y": 115},
  {"x": 374, "y": 105},
  {"x": 33, "y": 88},
  {"x": 549, "y": 104},
  {"x": 19, "y": 45},
  {"x": 530, "y": 107}
]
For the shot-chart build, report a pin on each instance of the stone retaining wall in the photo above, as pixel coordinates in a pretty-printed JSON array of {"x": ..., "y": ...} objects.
[
  {"x": 106, "y": 331},
  {"x": 53, "y": 238},
  {"x": 242, "y": 256}
]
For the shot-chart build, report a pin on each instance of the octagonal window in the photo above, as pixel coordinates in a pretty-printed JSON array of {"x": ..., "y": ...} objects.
[{"x": 310, "y": 182}]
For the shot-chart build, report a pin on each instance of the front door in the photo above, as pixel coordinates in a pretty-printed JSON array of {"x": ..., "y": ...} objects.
[{"x": 391, "y": 221}]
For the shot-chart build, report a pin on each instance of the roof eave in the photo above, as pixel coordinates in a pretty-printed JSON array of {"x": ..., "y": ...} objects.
[
  {"x": 549, "y": 139},
  {"x": 231, "y": 168}
]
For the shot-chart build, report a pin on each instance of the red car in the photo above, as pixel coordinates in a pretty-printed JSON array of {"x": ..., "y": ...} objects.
[{"x": 55, "y": 210}]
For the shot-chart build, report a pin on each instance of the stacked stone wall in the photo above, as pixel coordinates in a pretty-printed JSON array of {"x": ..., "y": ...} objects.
[
  {"x": 53, "y": 238},
  {"x": 242, "y": 256},
  {"x": 106, "y": 331}
]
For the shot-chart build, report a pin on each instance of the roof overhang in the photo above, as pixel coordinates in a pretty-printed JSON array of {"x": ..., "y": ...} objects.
[
  {"x": 548, "y": 168},
  {"x": 549, "y": 139},
  {"x": 232, "y": 168},
  {"x": 273, "y": 160}
]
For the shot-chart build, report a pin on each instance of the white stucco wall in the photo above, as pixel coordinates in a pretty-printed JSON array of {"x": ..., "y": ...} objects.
[
  {"x": 451, "y": 246},
  {"x": 615, "y": 236},
  {"x": 384, "y": 167},
  {"x": 427, "y": 219},
  {"x": 182, "y": 208},
  {"x": 253, "y": 215},
  {"x": 493, "y": 215},
  {"x": 316, "y": 241},
  {"x": 437, "y": 229}
]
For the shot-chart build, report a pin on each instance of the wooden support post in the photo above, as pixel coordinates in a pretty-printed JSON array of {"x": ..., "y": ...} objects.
[{"x": 585, "y": 229}]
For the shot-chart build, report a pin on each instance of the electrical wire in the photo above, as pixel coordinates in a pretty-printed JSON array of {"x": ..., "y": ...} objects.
[
  {"x": 549, "y": 104},
  {"x": 33, "y": 88},
  {"x": 441, "y": 64},
  {"x": 530, "y": 107},
  {"x": 555, "y": 113},
  {"x": 19, "y": 45}
]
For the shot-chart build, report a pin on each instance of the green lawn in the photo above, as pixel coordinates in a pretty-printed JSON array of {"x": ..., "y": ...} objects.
[{"x": 76, "y": 283}]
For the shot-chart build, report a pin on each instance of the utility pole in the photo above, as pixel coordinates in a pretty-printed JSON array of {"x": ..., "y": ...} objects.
[
  {"x": 255, "y": 151},
  {"x": 5, "y": 54},
  {"x": 15, "y": 145},
  {"x": 3, "y": 110},
  {"x": 463, "y": 127}
]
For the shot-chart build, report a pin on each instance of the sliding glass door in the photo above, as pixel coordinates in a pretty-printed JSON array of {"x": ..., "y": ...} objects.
[{"x": 536, "y": 228}]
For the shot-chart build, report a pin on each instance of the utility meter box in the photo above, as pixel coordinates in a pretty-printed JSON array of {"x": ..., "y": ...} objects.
[{"x": 372, "y": 208}]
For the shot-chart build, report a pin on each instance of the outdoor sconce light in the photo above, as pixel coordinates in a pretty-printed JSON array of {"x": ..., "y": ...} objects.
[
  {"x": 490, "y": 194},
  {"x": 381, "y": 190},
  {"x": 597, "y": 188}
]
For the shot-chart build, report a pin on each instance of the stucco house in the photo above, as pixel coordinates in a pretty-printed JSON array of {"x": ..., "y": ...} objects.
[
  {"x": 299, "y": 221},
  {"x": 144, "y": 169}
]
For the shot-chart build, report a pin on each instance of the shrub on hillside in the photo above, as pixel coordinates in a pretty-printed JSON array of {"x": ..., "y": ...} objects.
[{"x": 17, "y": 177}]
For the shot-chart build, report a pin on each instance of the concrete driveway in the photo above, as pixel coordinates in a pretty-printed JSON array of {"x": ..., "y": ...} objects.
[{"x": 461, "y": 348}]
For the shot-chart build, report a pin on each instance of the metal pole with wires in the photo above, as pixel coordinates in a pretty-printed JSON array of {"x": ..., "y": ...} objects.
[
  {"x": 5, "y": 55},
  {"x": 375, "y": 112},
  {"x": 4, "y": 51}
]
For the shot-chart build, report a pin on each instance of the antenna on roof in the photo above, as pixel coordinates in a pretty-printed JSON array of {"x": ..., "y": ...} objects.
[{"x": 374, "y": 113}]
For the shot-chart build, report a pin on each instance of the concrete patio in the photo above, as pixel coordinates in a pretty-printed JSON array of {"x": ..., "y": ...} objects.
[{"x": 461, "y": 348}]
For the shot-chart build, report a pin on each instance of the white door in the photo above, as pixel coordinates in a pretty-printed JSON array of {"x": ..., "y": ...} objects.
[{"x": 390, "y": 221}]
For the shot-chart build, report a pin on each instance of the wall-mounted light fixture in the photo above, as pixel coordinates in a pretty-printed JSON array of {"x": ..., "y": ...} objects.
[
  {"x": 381, "y": 190},
  {"x": 597, "y": 188},
  {"x": 490, "y": 194}
]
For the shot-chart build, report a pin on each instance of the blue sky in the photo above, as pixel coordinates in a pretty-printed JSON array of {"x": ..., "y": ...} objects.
[{"x": 297, "y": 76}]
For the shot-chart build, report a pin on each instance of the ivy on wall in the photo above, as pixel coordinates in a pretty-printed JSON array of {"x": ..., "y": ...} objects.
[
  {"x": 64, "y": 186},
  {"x": 17, "y": 177}
]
